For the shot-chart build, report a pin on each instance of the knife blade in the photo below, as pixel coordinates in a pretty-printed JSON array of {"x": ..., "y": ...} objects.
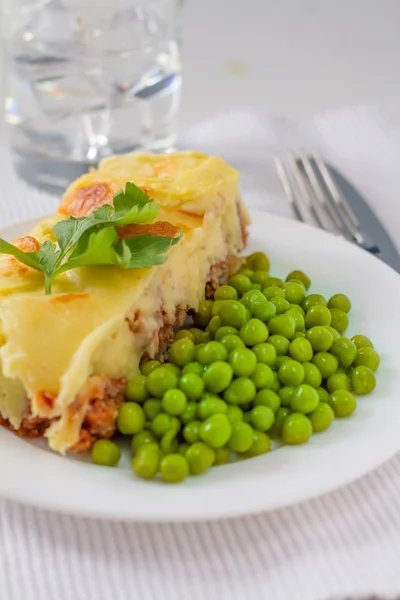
[{"x": 369, "y": 222}]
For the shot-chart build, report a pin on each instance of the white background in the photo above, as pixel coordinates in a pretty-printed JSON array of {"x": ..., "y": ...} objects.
[{"x": 289, "y": 56}]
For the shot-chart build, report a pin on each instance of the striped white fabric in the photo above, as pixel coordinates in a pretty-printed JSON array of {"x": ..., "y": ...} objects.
[{"x": 344, "y": 543}]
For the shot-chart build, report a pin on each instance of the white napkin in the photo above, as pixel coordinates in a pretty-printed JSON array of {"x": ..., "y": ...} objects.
[{"x": 347, "y": 542}]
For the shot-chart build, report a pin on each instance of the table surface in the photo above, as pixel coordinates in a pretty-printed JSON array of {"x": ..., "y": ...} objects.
[{"x": 291, "y": 57}]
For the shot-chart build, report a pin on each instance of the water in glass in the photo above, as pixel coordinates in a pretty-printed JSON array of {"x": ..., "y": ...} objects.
[{"x": 88, "y": 78}]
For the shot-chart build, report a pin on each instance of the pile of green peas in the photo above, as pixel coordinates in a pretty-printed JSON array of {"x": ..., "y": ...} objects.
[{"x": 265, "y": 360}]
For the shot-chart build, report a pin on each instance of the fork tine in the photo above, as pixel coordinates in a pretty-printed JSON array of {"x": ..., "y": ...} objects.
[
  {"x": 306, "y": 197},
  {"x": 333, "y": 189},
  {"x": 287, "y": 187},
  {"x": 320, "y": 192}
]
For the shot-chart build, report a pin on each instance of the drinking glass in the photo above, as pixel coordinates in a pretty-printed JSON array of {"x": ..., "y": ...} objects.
[{"x": 88, "y": 78}]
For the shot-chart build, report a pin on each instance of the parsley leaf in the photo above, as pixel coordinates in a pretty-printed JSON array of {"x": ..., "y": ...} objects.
[
  {"x": 93, "y": 240},
  {"x": 144, "y": 250}
]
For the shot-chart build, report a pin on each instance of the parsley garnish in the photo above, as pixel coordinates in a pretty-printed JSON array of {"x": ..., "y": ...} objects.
[{"x": 93, "y": 240}]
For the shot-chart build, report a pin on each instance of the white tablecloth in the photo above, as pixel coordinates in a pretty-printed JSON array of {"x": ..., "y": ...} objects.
[{"x": 345, "y": 542}]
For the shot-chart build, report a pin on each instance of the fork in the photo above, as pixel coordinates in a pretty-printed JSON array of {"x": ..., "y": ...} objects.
[{"x": 316, "y": 199}]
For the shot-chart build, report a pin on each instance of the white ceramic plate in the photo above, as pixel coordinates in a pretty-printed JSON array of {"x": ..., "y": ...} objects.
[{"x": 349, "y": 449}]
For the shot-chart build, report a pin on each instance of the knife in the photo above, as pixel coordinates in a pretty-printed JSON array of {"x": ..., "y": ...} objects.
[{"x": 369, "y": 222}]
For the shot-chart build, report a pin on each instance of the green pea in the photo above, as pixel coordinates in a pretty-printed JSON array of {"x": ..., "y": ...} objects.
[
  {"x": 131, "y": 418},
  {"x": 211, "y": 406},
  {"x": 280, "y": 343},
  {"x": 296, "y": 429},
  {"x": 216, "y": 430},
  {"x": 251, "y": 297},
  {"x": 267, "y": 398},
  {"x": 317, "y": 315},
  {"x": 323, "y": 394},
  {"x": 142, "y": 438},
  {"x": 274, "y": 281},
  {"x": 233, "y": 313},
  {"x": 338, "y": 381},
  {"x": 262, "y": 417},
  {"x": 282, "y": 325},
  {"x": 299, "y": 322},
  {"x": 200, "y": 336},
  {"x": 276, "y": 429},
  {"x": 105, "y": 453},
  {"x": 258, "y": 261},
  {"x": 261, "y": 445},
  {"x": 192, "y": 385},
  {"x": 211, "y": 352},
  {"x": 243, "y": 362},
  {"x": 279, "y": 361},
  {"x": 340, "y": 301},
  {"x": 305, "y": 399},
  {"x": 173, "y": 368},
  {"x": 191, "y": 432},
  {"x": 281, "y": 305},
  {"x": 254, "y": 332},
  {"x": 222, "y": 456},
  {"x": 161, "y": 424},
  {"x": 146, "y": 461},
  {"x": 200, "y": 458},
  {"x": 189, "y": 414},
  {"x": 274, "y": 292},
  {"x": 298, "y": 334},
  {"x": 202, "y": 315},
  {"x": 242, "y": 437},
  {"x": 169, "y": 444},
  {"x": 286, "y": 394},
  {"x": 335, "y": 334},
  {"x": 234, "y": 413},
  {"x": 213, "y": 326},
  {"x": 152, "y": 408},
  {"x": 301, "y": 350},
  {"x": 312, "y": 375},
  {"x": 232, "y": 342},
  {"x": 313, "y": 300},
  {"x": 321, "y": 418},
  {"x": 367, "y": 357},
  {"x": 225, "y": 292},
  {"x": 295, "y": 292},
  {"x": 193, "y": 367},
  {"x": 261, "y": 277},
  {"x": 298, "y": 308},
  {"x": 263, "y": 376},
  {"x": 174, "y": 401},
  {"x": 345, "y": 351},
  {"x": 223, "y": 331},
  {"x": 291, "y": 373},
  {"x": 306, "y": 281},
  {"x": 174, "y": 468},
  {"x": 361, "y": 341},
  {"x": 244, "y": 271},
  {"x": 216, "y": 306},
  {"x": 241, "y": 391},
  {"x": 136, "y": 389},
  {"x": 363, "y": 380},
  {"x": 182, "y": 352},
  {"x": 184, "y": 333},
  {"x": 343, "y": 403},
  {"x": 326, "y": 363},
  {"x": 339, "y": 321},
  {"x": 160, "y": 380},
  {"x": 218, "y": 376},
  {"x": 241, "y": 283},
  {"x": 265, "y": 353},
  {"x": 149, "y": 366}
]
